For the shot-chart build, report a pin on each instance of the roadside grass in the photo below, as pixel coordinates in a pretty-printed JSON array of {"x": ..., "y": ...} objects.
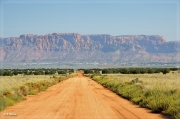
[
  {"x": 157, "y": 92},
  {"x": 13, "y": 89}
]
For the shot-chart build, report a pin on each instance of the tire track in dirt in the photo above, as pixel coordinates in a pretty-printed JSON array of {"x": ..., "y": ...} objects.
[{"x": 77, "y": 98}]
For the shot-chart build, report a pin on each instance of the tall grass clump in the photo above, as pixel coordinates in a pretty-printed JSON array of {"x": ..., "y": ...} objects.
[{"x": 160, "y": 96}]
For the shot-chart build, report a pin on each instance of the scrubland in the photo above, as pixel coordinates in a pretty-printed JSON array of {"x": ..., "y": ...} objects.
[
  {"x": 158, "y": 92},
  {"x": 13, "y": 89}
]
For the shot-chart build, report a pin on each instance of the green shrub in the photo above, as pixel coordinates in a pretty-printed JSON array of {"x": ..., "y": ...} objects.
[
  {"x": 129, "y": 91},
  {"x": 8, "y": 102},
  {"x": 136, "y": 81},
  {"x": 43, "y": 88},
  {"x": 18, "y": 98},
  {"x": 33, "y": 92},
  {"x": 2, "y": 104},
  {"x": 112, "y": 85}
]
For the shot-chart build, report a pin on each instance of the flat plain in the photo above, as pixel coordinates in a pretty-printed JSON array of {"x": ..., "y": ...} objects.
[{"x": 77, "y": 98}]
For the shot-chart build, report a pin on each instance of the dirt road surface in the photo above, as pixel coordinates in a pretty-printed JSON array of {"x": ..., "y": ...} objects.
[{"x": 77, "y": 98}]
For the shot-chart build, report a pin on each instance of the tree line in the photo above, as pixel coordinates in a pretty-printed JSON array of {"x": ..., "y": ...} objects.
[
  {"x": 129, "y": 70},
  {"x": 51, "y": 71},
  {"x": 11, "y": 72}
]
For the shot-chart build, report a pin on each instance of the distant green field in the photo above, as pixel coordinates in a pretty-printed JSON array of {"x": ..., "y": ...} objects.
[
  {"x": 157, "y": 80},
  {"x": 9, "y": 82}
]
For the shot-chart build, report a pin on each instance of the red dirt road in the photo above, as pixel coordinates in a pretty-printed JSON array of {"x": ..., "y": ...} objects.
[{"x": 77, "y": 98}]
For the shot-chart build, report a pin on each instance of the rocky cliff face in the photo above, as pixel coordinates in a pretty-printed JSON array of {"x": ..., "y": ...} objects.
[{"x": 74, "y": 46}]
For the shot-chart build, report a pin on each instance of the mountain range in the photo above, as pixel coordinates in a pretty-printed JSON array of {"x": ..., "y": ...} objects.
[{"x": 97, "y": 47}]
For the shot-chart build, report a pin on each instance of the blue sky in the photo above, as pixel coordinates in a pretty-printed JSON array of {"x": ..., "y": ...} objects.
[{"x": 115, "y": 17}]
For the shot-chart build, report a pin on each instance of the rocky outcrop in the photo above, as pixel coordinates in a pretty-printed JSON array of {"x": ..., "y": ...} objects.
[{"x": 100, "y": 47}]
